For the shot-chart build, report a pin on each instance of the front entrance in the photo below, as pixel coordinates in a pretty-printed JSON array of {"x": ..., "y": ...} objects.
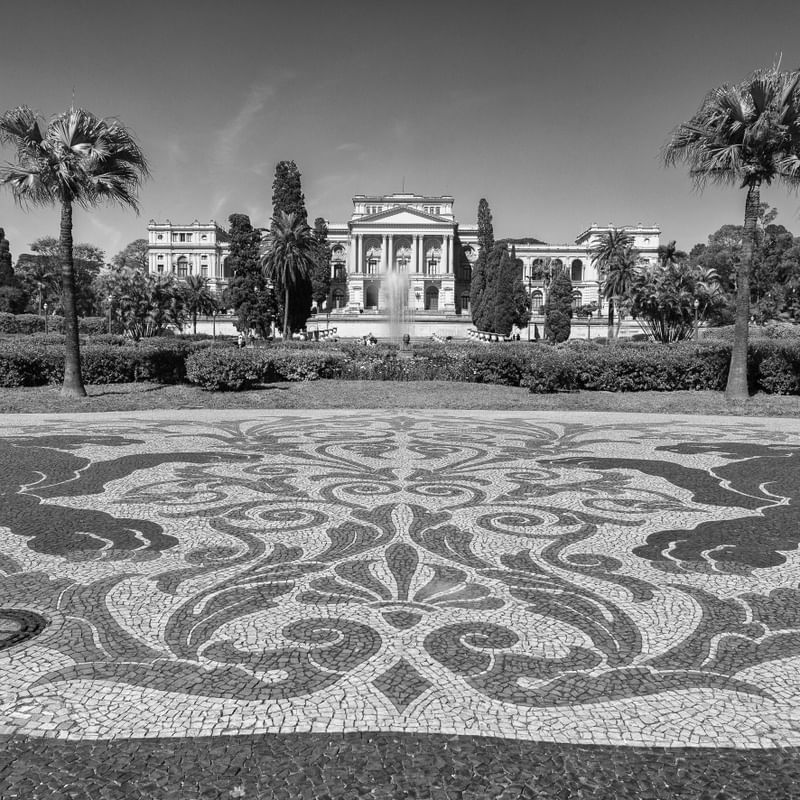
[
  {"x": 431, "y": 299},
  {"x": 371, "y": 296}
]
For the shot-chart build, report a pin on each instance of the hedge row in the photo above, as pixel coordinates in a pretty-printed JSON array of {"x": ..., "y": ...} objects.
[
  {"x": 39, "y": 362},
  {"x": 774, "y": 364},
  {"x": 33, "y": 323}
]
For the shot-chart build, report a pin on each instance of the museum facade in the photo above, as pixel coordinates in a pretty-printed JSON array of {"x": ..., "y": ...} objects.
[{"x": 405, "y": 249}]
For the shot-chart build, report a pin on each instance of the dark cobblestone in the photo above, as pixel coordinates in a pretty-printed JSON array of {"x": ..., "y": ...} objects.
[{"x": 317, "y": 766}]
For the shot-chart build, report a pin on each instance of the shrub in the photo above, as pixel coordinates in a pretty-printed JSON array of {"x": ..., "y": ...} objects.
[
  {"x": 775, "y": 365},
  {"x": 550, "y": 369},
  {"x": 231, "y": 369},
  {"x": 630, "y": 367},
  {"x": 21, "y": 323},
  {"x": 38, "y": 361}
]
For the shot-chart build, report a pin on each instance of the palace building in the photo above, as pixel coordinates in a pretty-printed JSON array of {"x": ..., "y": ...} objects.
[{"x": 405, "y": 245}]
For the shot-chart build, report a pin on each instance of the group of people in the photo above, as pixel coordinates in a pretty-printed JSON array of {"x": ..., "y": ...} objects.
[{"x": 242, "y": 340}]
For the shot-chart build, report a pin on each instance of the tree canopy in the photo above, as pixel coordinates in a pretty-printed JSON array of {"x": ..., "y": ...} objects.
[
  {"x": 248, "y": 290},
  {"x": 558, "y": 308},
  {"x": 481, "y": 279},
  {"x": 75, "y": 159},
  {"x": 321, "y": 275},
  {"x": 287, "y": 198},
  {"x": 290, "y": 260},
  {"x": 133, "y": 256},
  {"x": 746, "y": 134}
]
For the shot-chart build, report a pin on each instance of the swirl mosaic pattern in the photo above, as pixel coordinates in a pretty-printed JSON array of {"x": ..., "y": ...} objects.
[{"x": 588, "y": 580}]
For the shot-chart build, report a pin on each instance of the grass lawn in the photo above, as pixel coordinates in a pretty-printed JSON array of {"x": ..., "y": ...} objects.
[{"x": 379, "y": 394}]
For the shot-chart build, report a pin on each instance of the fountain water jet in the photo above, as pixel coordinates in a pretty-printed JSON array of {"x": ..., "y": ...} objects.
[{"x": 396, "y": 289}]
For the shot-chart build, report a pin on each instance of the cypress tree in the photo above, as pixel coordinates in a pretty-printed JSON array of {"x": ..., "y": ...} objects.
[
  {"x": 477, "y": 289},
  {"x": 287, "y": 196},
  {"x": 12, "y": 298},
  {"x": 6, "y": 270},
  {"x": 248, "y": 291},
  {"x": 503, "y": 294},
  {"x": 321, "y": 276},
  {"x": 520, "y": 300},
  {"x": 558, "y": 309}
]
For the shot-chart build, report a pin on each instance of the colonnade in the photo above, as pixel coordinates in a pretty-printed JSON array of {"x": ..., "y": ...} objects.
[{"x": 357, "y": 263}]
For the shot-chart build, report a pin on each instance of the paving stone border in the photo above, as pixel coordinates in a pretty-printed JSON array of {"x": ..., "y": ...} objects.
[{"x": 388, "y": 766}]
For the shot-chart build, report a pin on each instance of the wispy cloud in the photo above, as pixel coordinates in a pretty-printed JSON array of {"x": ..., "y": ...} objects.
[
  {"x": 349, "y": 147},
  {"x": 220, "y": 200},
  {"x": 229, "y": 138}
]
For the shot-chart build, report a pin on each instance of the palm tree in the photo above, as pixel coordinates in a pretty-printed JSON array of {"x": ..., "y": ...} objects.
[
  {"x": 621, "y": 276},
  {"x": 290, "y": 258},
  {"x": 669, "y": 254},
  {"x": 747, "y": 135},
  {"x": 198, "y": 297},
  {"x": 605, "y": 253},
  {"x": 77, "y": 158}
]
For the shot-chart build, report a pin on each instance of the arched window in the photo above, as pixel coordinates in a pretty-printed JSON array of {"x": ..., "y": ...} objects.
[
  {"x": 577, "y": 300},
  {"x": 338, "y": 299},
  {"x": 576, "y": 275},
  {"x": 183, "y": 267},
  {"x": 557, "y": 264},
  {"x": 537, "y": 300},
  {"x": 338, "y": 272},
  {"x": 431, "y": 299}
]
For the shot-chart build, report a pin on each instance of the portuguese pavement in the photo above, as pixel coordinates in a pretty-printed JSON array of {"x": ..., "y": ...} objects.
[{"x": 343, "y": 604}]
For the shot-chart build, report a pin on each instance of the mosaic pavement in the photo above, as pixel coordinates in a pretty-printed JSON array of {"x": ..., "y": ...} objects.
[{"x": 587, "y": 590}]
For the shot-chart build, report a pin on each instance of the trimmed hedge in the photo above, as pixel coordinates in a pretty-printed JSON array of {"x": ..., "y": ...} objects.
[
  {"x": 774, "y": 364},
  {"x": 630, "y": 367},
  {"x": 26, "y": 324},
  {"x": 36, "y": 363}
]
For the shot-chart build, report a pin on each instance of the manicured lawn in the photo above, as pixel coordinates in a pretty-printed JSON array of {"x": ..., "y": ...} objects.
[{"x": 378, "y": 394}]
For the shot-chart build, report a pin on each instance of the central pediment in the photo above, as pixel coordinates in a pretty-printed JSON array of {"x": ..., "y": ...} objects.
[{"x": 402, "y": 215}]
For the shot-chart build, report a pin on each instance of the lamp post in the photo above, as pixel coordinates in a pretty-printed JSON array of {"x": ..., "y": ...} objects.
[
  {"x": 696, "y": 327},
  {"x": 110, "y": 306},
  {"x": 45, "y": 319},
  {"x": 213, "y": 326},
  {"x": 590, "y": 325}
]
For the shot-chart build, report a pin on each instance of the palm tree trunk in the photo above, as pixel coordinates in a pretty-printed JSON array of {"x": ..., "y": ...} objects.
[
  {"x": 194, "y": 323},
  {"x": 610, "y": 333},
  {"x": 286, "y": 314},
  {"x": 737, "y": 374},
  {"x": 619, "y": 320},
  {"x": 73, "y": 381}
]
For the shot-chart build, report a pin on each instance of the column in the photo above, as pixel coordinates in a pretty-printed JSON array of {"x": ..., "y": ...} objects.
[
  {"x": 384, "y": 253},
  {"x": 414, "y": 250},
  {"x": 351, "y": 253},
  {"x": 424, "y": 266},
  {"x": 448, "y": 256},
  {"x": 359, "y": 254},
  {"x": 389, "y": 251}
]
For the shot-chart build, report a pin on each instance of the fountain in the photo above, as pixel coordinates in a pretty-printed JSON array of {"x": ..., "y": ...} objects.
[{"x": 396, "y": 289}]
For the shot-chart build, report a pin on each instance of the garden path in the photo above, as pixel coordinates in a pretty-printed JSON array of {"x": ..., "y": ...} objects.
[{"x": 337, "y": 603}]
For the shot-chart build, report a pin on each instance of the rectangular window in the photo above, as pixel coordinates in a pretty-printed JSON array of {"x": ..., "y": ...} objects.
[{"x": 204, "y": 270}]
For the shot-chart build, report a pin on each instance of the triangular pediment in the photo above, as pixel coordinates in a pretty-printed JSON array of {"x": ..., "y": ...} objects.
[{"x": 402, "y": 215}]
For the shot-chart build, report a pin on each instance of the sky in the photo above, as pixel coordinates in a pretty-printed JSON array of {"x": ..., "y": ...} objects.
[{"x": 556, "y": 113}]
